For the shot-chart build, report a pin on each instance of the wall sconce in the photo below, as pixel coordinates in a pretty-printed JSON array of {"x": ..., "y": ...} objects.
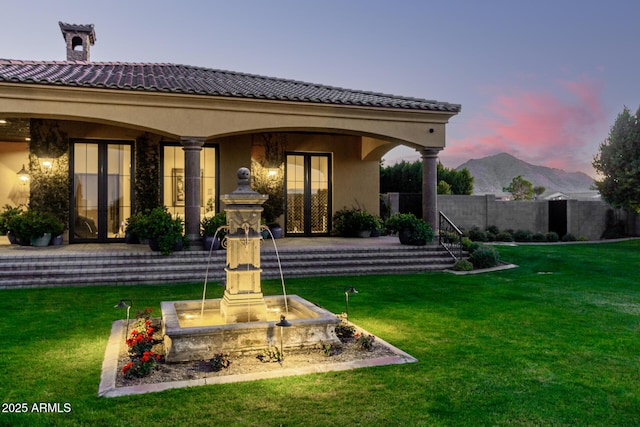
[
  {"x": 272, "y": 172},
  {"x": 23, "y": 176},
  {"x": 47, "y": 163},
  {"x": 123, "y": 304}
]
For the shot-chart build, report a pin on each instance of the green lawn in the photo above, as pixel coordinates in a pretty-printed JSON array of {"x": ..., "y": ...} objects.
[{"x": 554, "y": 342}]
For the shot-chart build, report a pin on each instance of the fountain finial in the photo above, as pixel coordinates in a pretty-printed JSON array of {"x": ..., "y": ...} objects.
[{"x": 244, "y": 181}]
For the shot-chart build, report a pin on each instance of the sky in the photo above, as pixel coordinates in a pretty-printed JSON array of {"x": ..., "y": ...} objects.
[{"x": 542, "y": 80}]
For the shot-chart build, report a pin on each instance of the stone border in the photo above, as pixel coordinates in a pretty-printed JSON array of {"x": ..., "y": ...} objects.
[
  {"x": 108, "y": 387},
  {"x": 503, "y": 266}
]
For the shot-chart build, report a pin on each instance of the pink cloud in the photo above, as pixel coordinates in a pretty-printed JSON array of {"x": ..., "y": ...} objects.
[{"x": 551, "y": 128}]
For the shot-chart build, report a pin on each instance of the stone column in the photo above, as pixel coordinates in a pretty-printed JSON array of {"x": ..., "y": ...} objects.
[
  {"x": 192, "y": 147},
  {"x": 430, "y": 186}
]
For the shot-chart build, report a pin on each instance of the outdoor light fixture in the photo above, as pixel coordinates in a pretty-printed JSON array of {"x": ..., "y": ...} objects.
[
  {"x": 123, "y": 304},
  {"x": 23, "y": 175},
  {"x": 347, "y": 291},
  {"x": 283, "y": 323},
  {"x": 47, "y": 163},
  {"x": 272, "y": 172}
]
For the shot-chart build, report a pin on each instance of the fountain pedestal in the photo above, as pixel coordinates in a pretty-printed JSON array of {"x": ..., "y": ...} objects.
[{"x": 243, "y": 300}]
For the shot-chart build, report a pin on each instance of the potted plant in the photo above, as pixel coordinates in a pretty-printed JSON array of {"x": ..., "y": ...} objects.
[
  {"x": 276, "y": 230},
  {"x": 411, "y": 229},
  {"x": 35, "y": 228},
  {"x": 209, "y": 225},
  {"x": 163, "y": 231},
  {"x": 6, "y": 215},
  {"x": 133, "y": 228},
  {"x": 354, "y": 222}
]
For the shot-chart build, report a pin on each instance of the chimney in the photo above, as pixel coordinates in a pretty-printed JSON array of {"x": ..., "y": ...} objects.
[{"x": 79, "y": 40}]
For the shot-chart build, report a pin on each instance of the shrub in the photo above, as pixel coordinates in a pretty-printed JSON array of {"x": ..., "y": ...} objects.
[
  {"x": 345, "y": 332},
  {"x": 504, "y": 236},
  {"x": 350, "y": 222},
  {"x": 477, "y": 235},
  {"x": 485, "y": 257},
  {"x": 469, "y": 246},
  {"x": 493, "y": 229},
  {"x": 522, "y": 236},
  {"x": 365, "y": 341},
  {"x": 158, "y": 225},
  {"x": 7, "y": 214},
  {"x": 463, "y": 265},
  {"x": 418, "y": 231},
  {"x": 539, "y": 237},
  {"x": 209, "y": 225},
  {"x": 583, "y": 239},
  {"x": 552, "y": 236},
  {"x": 219, "y": 361},
  {"x": 568, "y": 238},
  {"x": 33, "y": 224}
]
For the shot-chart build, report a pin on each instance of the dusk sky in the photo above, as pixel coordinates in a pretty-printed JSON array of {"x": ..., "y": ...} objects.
[{"x": 542, "y": 80}]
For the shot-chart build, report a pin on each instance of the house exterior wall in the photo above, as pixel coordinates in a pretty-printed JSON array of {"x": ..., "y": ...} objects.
[{"x": 12, "y": 156}]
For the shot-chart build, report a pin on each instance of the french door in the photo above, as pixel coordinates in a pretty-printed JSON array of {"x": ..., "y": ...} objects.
[
  {"x": 101, "y": 198},
  {"x": 308, "y": 190}
]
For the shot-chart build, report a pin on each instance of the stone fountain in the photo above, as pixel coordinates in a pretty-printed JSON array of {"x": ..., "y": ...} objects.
[{"x": 243, "y": 320}]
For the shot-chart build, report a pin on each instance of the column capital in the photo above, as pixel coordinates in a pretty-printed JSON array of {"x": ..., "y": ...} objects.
[
  {"x": 192, "y": 141},
  {"x": 427, "y": 152}
]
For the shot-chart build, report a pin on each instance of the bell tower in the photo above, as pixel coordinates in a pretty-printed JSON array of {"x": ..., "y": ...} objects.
[{"x": 79, "y": 40}]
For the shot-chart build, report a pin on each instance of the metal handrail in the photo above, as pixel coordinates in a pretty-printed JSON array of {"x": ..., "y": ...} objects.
[{"x": 450, "y": 237}]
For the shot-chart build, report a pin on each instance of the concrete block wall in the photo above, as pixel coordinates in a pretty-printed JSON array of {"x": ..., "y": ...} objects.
[{"x": 584, "y": 218}]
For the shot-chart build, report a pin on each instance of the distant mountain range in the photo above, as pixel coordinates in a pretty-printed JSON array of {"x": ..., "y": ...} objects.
[{"x": 491, "y": 174}]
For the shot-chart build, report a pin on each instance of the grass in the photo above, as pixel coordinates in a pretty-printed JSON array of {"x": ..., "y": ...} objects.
[{"x": 554, "y": 342}]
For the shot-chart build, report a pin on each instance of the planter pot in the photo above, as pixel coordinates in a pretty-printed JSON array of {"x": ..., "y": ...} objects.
[
  {"x": 406, "y": 239},
  {"x": 265, "y": 234},
  {"x": 42, "y": 240},
  {"x": 153, "y": 244},
  {"x": 12, "y": 238},
  {"x": 277, "y": 232},
  {"x": 375, "y": 233},
  {"x": 57, "y": 241},
  {"x": 131, "y": 239},
  {"x": 364, "y": 233},
  {"x": 209, "y": 241}
]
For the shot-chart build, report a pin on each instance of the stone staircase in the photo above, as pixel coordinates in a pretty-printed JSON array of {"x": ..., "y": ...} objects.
[{"x": 86, "y": 268}]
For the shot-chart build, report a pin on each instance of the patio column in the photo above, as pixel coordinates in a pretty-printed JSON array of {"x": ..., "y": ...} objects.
[
  {"x": 192, "y": 147},
  {"x": 430, "y": 186}
]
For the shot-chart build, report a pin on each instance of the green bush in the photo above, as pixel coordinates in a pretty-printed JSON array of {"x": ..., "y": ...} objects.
[
  {"x": 477, "y": 235},
  {"x": 158, "y": 225},
  {"x": 504, "y": 236},
  {"x": 469, "y": 246},
  {"x": 568, "y": 238},
  {"x": 552, "y": 236},
  {"x": 493, "y": 230},
  {"x": 209, "y": 225},
  {"x": 463, "y": 265},
  {"x": 34, "y": 224},
  {"x": 522, "y": 236},
  {"x": 417, "y": 231},
  {"x": 485, "y": 257},
  {"x": 7, "y": 214},
  {"x": 350, "y": 222},
  {"x": 539, "y": 237}
]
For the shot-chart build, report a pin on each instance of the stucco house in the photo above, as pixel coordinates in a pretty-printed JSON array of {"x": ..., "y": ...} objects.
[{"x": 123, "y": 132}]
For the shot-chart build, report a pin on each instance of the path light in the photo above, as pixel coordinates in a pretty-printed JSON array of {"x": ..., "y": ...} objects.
[
  {"x": 123, "y": 304},
  {"x": 347, "y": 291},
  {"x": 283, "y": 323}
]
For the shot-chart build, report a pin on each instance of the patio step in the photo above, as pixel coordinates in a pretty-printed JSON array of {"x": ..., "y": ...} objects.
[{"x": 49, "y": 269}]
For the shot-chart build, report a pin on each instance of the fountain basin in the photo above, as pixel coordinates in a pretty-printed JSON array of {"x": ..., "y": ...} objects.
[{"x": 188, "y": 336}]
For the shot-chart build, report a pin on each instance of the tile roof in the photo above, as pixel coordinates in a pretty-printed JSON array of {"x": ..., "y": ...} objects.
[{"x": 183, "y": 79}]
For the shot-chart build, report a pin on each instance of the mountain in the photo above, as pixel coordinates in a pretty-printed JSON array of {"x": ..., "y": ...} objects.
[{"x": 491, "y": 174}]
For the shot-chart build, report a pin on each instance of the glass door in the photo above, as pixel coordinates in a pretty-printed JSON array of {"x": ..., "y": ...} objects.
[
  {"x": 308, "y": 189},
  {"x": 101, "y": 196}
]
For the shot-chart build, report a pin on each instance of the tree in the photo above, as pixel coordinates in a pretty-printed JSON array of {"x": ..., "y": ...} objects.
[
  {"x": 538, "y": 190},
  {"x": 405, "y": 177},
  {"x": 520, "y": 189},
  {"x": 618, "y": 162}
]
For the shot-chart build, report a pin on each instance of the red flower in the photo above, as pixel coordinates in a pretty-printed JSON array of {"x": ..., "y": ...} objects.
[
  {"x": 134, "y": 332},
  {"x": 149, "y": 331},
  {"x": 148, "y": 322},
  {"x": 145, "y": 358},
  {"x": 127, "y": 367}
]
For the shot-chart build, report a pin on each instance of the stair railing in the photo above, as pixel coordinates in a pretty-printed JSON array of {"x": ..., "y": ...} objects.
[{"x": 450, "y": 237}]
